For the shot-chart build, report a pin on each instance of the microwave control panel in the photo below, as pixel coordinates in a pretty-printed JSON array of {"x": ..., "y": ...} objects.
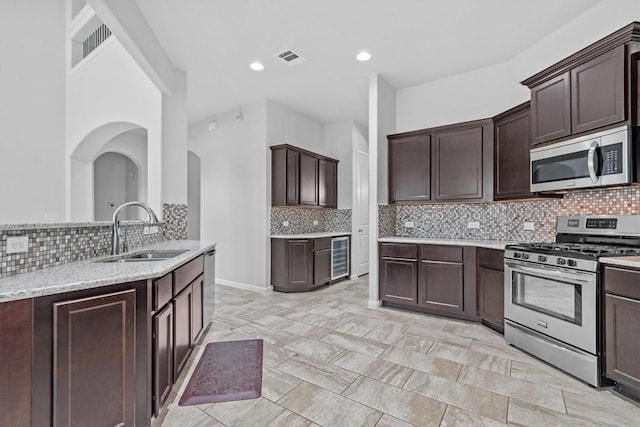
[{"x": 611, "y": 159}]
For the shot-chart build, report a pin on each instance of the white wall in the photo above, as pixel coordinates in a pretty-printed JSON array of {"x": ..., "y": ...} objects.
[
  {"x": 286, "y": 126},
  {"x": 385, "y": 124},
  {"x": 32, "y": 90},
  {"x": 338, "y": 142},
  {"x": 194, "y": 168},
  {"x": 234, "y": 198},
  {"x": 486, "y": 92},
  {"x": 109, "y": 88}
]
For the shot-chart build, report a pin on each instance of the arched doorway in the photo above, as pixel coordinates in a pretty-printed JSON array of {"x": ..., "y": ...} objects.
[{"x": 115, "y": 181}]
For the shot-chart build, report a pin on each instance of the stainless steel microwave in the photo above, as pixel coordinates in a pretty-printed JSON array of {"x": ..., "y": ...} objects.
[{"x": 595, "y": 160}]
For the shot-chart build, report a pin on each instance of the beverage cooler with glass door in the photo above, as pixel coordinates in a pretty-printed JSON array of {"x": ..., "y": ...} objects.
[{"x": 339, "y": 257}]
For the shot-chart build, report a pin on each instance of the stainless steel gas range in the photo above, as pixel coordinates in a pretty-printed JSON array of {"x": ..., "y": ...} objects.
[{"x": 553, "y": 306}]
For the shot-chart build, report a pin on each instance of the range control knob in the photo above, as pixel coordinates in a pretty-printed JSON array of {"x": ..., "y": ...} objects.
[
  {"x": 517, "y": 255},
  {"x": 542, "y": 258},
  {"x": 525, "y": 256},
  {"x": 561, "y": 261},
  {"x": 571, "y": 263}
]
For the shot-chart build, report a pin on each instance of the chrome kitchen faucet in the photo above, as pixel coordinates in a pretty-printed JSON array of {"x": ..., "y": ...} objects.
[{"x": 117, "y": 232}]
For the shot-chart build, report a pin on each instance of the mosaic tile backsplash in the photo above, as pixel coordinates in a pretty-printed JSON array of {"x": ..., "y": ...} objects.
[
  {"x": 504, "y": 221},
  {"x": 51, "y": 245},
  {"x": 175, "y": 219},
  {"x": 301, "y": 220}
]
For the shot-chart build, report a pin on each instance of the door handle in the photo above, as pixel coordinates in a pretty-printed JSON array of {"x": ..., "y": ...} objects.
[{"x": 591, "y": 162}]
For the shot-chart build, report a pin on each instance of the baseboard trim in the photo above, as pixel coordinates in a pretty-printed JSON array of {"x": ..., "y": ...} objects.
[
  {"x": 374, "y": 304},
  {"x": 353, "y": 277},
  {"x": 244, "y": 286}
]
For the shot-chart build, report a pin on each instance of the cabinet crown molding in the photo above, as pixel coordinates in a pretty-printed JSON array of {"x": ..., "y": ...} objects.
[{"x": 625, "y": 35}]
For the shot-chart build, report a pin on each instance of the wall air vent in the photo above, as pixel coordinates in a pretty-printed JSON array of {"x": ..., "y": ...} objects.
[{"x": 290, "y": 57}]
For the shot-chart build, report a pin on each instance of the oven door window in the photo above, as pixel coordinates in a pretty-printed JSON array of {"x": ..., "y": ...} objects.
[{"x": 554, "y": 298}]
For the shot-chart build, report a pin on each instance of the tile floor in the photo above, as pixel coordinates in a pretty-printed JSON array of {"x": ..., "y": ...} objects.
[{"x": 331, "y": 361}]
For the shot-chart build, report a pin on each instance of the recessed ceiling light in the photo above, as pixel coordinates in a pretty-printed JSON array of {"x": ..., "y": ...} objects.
[
  {"x": 363, "y": 56},
  {"x": 256, "y": 66}
]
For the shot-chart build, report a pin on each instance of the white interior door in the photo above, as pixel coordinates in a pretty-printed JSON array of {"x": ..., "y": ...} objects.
[{"x": 362, "y": 191}]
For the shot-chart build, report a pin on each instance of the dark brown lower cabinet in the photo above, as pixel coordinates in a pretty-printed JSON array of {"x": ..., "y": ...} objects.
[
  {"x": 94, "y": 361},
  {"x": 490, "y": 288},
  {"x": 441, "y": 286},
  {"x": 92, "y": 357},
  {"x": 162, "y": 357},
  {"x": 432, "y": 278},
  {"x": 182, "y": 321},
  {"x": 197, "y": 318},
  {"x": 622, "y": 328},
  {"x": 321, "y": 267},
  {"x": 15, "y": 363}
]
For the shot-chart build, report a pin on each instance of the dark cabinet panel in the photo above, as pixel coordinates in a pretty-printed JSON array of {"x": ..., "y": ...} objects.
[
  {"x": 308, "y": 180},
  {"x": 622, "y": 343},
  {"x": 162, "y": 357},
  {"x": 15, "y": 363},
  {"x": 293, "y": 178},
  {"x": 551, "y": 109},
  {"x": 327, "y": 183},
  {"x": 398, "y": 280},
  {"x": 410, "y": 168},
  {"x": 490, "y": 293},
  {"x": 512, "y": 133},
  {"x": 300, "y": 263},
  {"x": 182, "y": 330},
  {"x": 441, "y": 286},
  {"x": 597, "y": 92},
  {"x": 321, "y": 267},
  {"x": 458, "y": 164},
  {"x": 197, "y": 320},
  {"x": 94, "y": 360},
  {"x": 292, "y": 264}
]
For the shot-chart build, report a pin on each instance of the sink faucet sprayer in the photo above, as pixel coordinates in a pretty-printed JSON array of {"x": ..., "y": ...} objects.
[{"x": 117, "y": 232}]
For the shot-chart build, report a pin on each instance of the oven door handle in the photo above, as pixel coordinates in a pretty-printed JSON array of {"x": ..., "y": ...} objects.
[
  {"x": 550, "y": 272},
  {"x": 591, "y": 164}
]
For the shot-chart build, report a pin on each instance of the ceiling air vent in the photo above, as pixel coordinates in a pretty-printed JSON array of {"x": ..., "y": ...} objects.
[{"x": 290, "y": 57}]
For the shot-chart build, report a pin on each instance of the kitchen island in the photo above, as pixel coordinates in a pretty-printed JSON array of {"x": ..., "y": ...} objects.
[{"x": 94, "y": 342}]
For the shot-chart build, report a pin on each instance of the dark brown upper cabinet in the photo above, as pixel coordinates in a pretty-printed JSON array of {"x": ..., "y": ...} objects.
[
  {"x": 447, "y": 163},
  {"x": 512, "y": 133},
  {"x": 551, "y": 109},
  {"x": 327, "y": 183},
  {"x": 303, "y": 178},
  {"x": 410, "y": 168},
  {"x": 591, "y": 89}
]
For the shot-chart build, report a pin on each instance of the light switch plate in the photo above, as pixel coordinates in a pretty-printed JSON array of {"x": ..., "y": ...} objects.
[
  {"x": 529, "y": 226},
  {"x": 17, "y": 244},
  {"x": 409, "y": 224},
  {"x": 473, "y": 224},
  {"x": 315, "y": 222},
  {"x": 285, "y": 223}
]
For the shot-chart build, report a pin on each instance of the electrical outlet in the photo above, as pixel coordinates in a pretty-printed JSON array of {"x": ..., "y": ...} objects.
[
  {"x": 473, "y": 224},
  {"x": 17, "y": 244},
  {"x": 315, "y": 222},
  {"x": 150, "y": 229},
  {"x": 285, "y": 223},
  {"x": 529, "y": 226},
  {"x": 409, "y": 224}
]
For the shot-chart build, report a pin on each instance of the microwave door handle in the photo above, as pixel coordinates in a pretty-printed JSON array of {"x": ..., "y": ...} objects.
[{"x": 591, "y": 157}]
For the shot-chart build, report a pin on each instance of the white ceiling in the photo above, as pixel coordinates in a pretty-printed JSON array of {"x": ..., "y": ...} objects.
[{"x": 412, "y": 42}]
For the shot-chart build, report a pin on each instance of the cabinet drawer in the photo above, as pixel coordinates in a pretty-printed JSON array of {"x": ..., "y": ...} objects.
[
  {"x": 162, "y": 291},
  {"x": 441, "y": 253},
  {"x": 399, "y": 250},
  {"x": 321, "y": 244},
  {"x": 186, "y": 274},
  {"x": 492, "y": 258},
  {"x": 622, "y": 282}
]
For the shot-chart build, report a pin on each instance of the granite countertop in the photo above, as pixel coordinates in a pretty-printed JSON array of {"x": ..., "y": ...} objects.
[
  {"x": 491, "y": 244},
  {"x": 623, "y": 261},
  {"x": 311, "y": 235},
  {"x": 92, "y": 273}
]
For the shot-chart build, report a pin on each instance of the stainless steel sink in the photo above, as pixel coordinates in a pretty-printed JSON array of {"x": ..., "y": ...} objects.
[{"x": 144, "y": 256}]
